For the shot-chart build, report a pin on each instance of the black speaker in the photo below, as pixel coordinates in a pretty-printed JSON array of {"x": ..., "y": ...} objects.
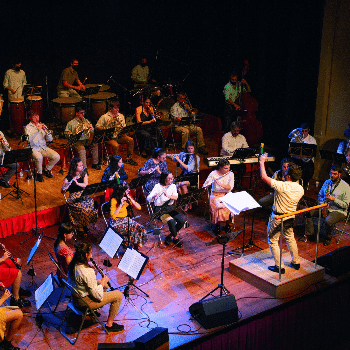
[
  {"x": 336, "y": 262},
  {"x": 153, "y": 339},
  {"x": 215, "y": 312}
]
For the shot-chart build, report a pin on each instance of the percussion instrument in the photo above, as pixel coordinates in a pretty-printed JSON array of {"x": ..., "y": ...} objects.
[
  {"x": 213, "y": 161},
  {"x": 65, "y": 108},
  {"x": 164, "y": 106},
  {"x": 99, "y": 103},
  {"x": 17, "y": 115},
  {"x": 35, "y": 103},
  {"x": 103, "y": 87}
]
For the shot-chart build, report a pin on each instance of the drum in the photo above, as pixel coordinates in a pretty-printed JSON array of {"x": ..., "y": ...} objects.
[
  {"x": 17, "y": 115},
  {"x": 164, "y": 106},
  {"x": 35, "y": 103},
  {"x": 65, "y": 108},
  {"x": 99, "y": 103}
]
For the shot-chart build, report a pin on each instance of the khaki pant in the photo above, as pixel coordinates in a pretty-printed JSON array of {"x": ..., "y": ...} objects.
[
  {"x": 187, "y": 130},
  {"x": 39, "y": 156},
  {"x": 124, "y": 139}
]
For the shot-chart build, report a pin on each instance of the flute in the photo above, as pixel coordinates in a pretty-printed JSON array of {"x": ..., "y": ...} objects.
[
  {"x": 75, "y": 177},
  {"x": 101, "y": 272},
  {"x": 220, "y": 177},
  {"x": 11, "y": 257}
]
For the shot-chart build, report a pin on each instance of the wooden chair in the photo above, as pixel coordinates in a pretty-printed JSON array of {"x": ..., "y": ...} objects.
[{"x": 87, "y": 312}]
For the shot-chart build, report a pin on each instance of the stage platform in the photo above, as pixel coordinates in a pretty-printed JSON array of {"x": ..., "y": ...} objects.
[{"x": 253, "y": 269}]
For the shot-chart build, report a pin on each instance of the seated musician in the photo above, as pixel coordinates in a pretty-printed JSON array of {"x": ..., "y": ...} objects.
[
  {"x": 116, "y": 120},
  {"x": 4, "y": 147},
  {"x": 221, "y": 182},
  {"x": 153, "y": 168},
  {"x": 148, "y": 134},
  {"x": 83, "y": 210},
  {"x": 11, "y": 275},
  {"x": 69, "y": 77},
  {"x": 114, "y": 172},
  {"x": 120, "y": 201},
  {"x": 306, "y": 163},
  {"x": 10, "y": 320},
  {"x": 76, "y": 125},
  {"x": 335, "y": 192},
  {"x": 182, "y": 109},
  {"x": 63, "y": 252},
  {"x": 189, "y": 163},
  {"x": 82, "y": 277},
  {"x": 163, "y": 196},
  {"x": 38, "y": 134}
]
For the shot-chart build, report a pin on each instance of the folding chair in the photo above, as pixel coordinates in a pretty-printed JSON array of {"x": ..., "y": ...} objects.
[
  {"x": 87, "y": 312},
  {"x": 58, "y": 281},
  {"x": 345, "y": 223},
  {"x": 105, "y": 209}
]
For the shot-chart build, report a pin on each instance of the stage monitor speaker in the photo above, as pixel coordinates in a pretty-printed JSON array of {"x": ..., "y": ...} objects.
[
  {"x": 336, "y": 262},
  {"x": 153, "y": 339},
  {"x": 215, "y": 312}
]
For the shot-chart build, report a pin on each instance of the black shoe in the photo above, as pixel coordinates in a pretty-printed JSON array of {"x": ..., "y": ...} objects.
[
  {"x": 130, "y": 161},
  {"x": 47, "y": 173},
  {"x": 177, "y": 242},
  {"x": 19, "y": 302},
  {"x": 167, "y": 240},
  {"x": 201, "y": 150},
  {"x": 5, "y": 184},
  {"x": 96, "y": 166},
  {"x": 39, "y": 178},
  {"x": 276, "y": 269},
  {"x": 327, "y": 242},
  {"x": 295, "y": 266},
  {"x": 115, "y": 327},
  {"x": 24, "y": 293}
]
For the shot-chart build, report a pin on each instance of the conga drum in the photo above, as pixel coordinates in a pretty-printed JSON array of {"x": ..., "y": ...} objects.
[
  {"x": 17, "y": 115},
  {"x": 35, "y": 103},
  {"x": 65, "y": 108},
  {"x": 99, "y": 103}
]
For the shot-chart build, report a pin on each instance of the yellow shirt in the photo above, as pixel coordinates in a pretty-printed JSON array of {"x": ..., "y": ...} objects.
[{"x": 123, "y": 211}]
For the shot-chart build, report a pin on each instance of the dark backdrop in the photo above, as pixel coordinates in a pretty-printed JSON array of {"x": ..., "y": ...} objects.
[{"x": 201, "y": 42}]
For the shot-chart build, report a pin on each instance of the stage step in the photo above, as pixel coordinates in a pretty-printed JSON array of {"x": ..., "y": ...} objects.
[{"x": 253, "y": 269}]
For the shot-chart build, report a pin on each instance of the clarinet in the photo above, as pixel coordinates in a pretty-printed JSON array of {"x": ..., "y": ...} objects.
[
  {"x": 101, "y": 272},
  {"x": 11, "y": 257}
]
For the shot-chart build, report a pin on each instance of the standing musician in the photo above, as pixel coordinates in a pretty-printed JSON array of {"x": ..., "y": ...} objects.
[
  {"x": 4, "y": 147},
  {"x": 83, "y": 210},
  {"x": 140, "y": 73},
  {"x": 306, "y": 163},
  {"x": 189, "y": 164},
  {"x": 68, "y": 77},
  {"x": 149, "y": 135},
  {"x": 116, "y": 120},
  {"x": 38, "y": 134},
  {"x": 115, "y": 171},
  {"x": 11, "y": 275},
  {"x": 14, "y": 80},
  {"x": 79, "y": 123},
  {"x": 10, "y": 321},
  {"x": 286, "y": 197},
  {"x": 232, "y": 91},
  {"x": 121, "y": 202},
  {"x": 221, "y": 182},
  {"x": 182, "y": 109},
  {"x": 154, "y": 167},
  {"x": 63, "y": 252},
  {"x": 163, "y": 196},
  {"x": 82, "y": 276},
  {"x": 336, "y": 193}
]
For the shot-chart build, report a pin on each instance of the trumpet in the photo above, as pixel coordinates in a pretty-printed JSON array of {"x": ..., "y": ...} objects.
[
  {"x": 45, "y": 128},
  {"x": 11, "y": 257}
]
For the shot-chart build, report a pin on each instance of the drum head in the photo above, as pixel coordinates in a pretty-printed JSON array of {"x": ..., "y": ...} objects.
[
  {"x": 101, "y": 96},
  {"x": 103, "y": 87},
  {"x": 34, "y": 98},
  {"x": 67, "y": 100},
  {"x": 17, "y": 100}
]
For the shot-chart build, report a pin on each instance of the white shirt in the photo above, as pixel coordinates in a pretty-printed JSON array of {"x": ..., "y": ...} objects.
[
  {"x": 108, "y": 120},
  {"x": 161, "y": 199},
  {"x": 230, "y": 143},
  {"x": 228, "y": 179},
  {"x": 15, "y": 80},
  {"x": 37, "y": 138}
]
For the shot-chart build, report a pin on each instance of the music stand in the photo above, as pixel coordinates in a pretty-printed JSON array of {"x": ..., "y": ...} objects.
[
  {"x": 139, "y": 181},
  {"x": 95, "y": 188},
  {"x": 32, "y": 252},
  {"x": 15, "y": 156},
  {"x": 303, "y": 150},
  {"x": 333, "y": 156},
  {"x": 223, "y": 240},
  {"x": 129, "y": 128},
  {"x": 243, "y": 153}
]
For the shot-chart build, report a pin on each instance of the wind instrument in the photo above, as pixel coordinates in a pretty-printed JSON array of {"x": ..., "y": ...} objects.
[
  {"x": 45, "y": 128},
  {"x": 11, "y": 257},
  {"x": 74, "y": 178},
  {"x": 101, "y": 272},
  {"x": 325, "y": 209},
  {"x": 220, "y": 177}
]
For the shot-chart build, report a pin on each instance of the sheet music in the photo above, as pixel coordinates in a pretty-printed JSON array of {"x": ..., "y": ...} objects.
[
  {"x": 43, "y": 292},
  {"x": 34, "y": 249},
  {"x": 111, "y": 242},
  {"x": 132, "y": 262},
  {"x": 239, "y": 201}
]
